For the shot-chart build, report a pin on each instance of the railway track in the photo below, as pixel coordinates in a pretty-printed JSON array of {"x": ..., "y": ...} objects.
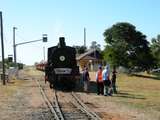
[
  {"x": 67, "y": 106},
  {"x": 84, "y": 108},
  {"x": 55, "y": 110},
  {"x": 75, "y": 109}
]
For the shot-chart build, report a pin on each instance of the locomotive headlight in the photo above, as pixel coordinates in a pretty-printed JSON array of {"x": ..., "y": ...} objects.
[{"x": 62, "y": 58}]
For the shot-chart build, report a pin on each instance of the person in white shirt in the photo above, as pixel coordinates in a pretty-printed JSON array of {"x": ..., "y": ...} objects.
[{"x": 106, "y": 80}]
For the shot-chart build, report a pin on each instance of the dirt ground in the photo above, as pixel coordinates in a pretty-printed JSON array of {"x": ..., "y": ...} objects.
[{"x": 21, "y": 100}]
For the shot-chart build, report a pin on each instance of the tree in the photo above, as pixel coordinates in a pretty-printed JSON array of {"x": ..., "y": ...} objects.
[
  {"x": 7, "y": 63},
  {"x": 96, "y": 46},
  {"x": 80, "y": 49},
  {"x": 127, "y": 47},
  {"x": 155, "y": 47}
]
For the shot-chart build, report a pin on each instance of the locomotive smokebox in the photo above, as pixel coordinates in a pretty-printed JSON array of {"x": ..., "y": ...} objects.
[{"x": 62, "y": 42}]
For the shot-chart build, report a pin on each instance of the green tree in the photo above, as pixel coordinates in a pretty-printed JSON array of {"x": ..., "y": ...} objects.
[
  {"x": 155, "y": 47},
  {"x": 7, "y": 63},
  {"x": 80, "y": 49},
  {"x": 96, "y": 46},
  {"x": 127, "y": 47}
]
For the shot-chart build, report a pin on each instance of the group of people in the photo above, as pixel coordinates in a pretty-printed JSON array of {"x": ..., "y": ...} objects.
[{"x": 105, "y": 85}]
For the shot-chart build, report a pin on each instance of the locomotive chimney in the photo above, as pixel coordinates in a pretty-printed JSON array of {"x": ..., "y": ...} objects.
[{"x": 62, "y": 42}]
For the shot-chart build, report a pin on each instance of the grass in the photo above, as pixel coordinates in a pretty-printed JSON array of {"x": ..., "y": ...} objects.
[
  {"x": 31, "y": 71},
  {"x": 10, "y": 88},
  {"x": 14, "y": 84},
  {"x": 140, "y": 92}
]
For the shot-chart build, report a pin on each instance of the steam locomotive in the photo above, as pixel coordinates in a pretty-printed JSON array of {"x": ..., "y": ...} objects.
[{"x": 61, "y": 69}]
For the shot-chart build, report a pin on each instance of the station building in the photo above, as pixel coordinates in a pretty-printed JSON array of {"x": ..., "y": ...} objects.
[{"x": 92, "y": 58}]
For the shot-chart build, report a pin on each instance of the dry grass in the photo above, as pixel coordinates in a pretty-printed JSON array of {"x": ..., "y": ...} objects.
[
  {"x": 142, "y": 92},
  {"x": 31, "y": 71},
  {"x": 10, "y": 88}
]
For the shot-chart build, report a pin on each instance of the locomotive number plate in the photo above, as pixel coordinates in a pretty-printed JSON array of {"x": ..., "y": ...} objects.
[{"x": 62, "y": 70}]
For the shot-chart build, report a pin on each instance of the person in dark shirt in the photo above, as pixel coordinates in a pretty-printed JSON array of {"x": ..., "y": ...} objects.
[
  {"x": 86, "y": 79},
  {"x": 114, "y": 80}
]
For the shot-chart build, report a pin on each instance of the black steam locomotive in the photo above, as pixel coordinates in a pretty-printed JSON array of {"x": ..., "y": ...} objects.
[{"x": 61, "y": 69}]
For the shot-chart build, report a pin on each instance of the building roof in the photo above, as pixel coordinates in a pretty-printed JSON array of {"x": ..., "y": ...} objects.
[{"x": 87, "y": 56}]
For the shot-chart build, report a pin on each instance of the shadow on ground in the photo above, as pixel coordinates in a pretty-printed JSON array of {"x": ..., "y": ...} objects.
[
  {"x": 129, "y": 95},
  {"x": 79, "y": 88},
  {"x": 93, "y": 89},
  {"x": 151, "y": 77}
]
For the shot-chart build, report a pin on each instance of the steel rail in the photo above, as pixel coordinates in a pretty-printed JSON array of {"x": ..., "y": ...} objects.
[
  {"x": 47, "y": 101},
  {"x": 61, "y": 116},
  {"x": 92, "y": 114}
]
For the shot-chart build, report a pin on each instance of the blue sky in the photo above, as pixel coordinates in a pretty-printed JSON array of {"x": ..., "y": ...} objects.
[{"x": 68, "y": 18}]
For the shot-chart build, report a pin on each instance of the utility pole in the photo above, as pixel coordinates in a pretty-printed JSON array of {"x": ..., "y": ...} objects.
[
  {"x": 14, "y": 46},
  {"x": 3, "y": 66},
  {"x": 84, "y": 37}
]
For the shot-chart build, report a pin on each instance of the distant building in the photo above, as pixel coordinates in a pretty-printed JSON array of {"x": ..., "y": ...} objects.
[{"x": 91, "y": 59}]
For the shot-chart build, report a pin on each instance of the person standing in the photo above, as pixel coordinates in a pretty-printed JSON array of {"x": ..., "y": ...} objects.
[
  {"x": 114, "y": 80},
  {"x": 106, "y": 80},
  {"x": 99, "y": 80},
  {"x": 86, "y": 78}
]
